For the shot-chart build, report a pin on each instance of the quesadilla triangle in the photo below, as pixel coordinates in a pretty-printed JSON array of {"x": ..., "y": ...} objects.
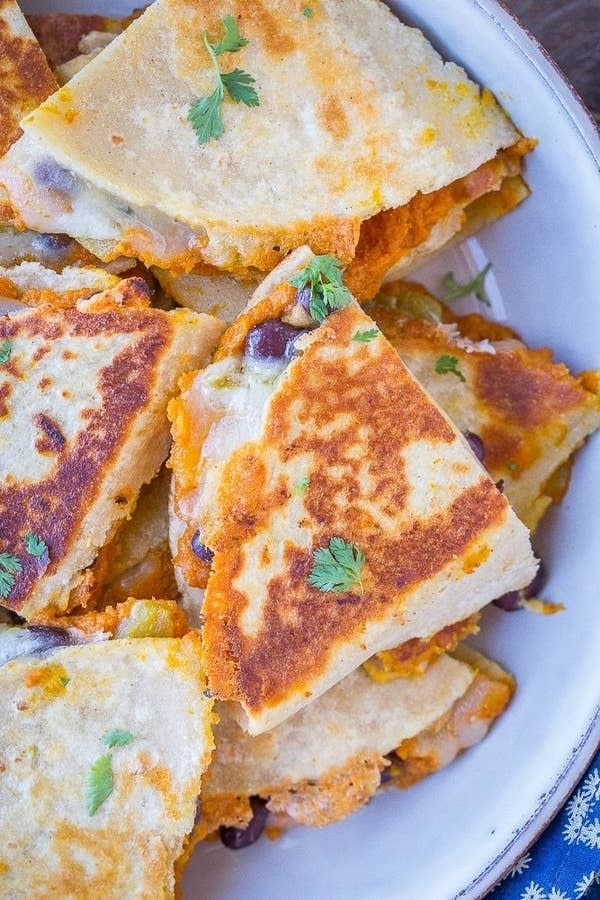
[
  {"x": 110, "y": 740},
  {"x": 83, "y": 396},
  {"x": 337, "y": 509},
  {"x": 528, "y": 412},
  {"x": 330, "y": 758},
  {"x": 240, "y": 188}
]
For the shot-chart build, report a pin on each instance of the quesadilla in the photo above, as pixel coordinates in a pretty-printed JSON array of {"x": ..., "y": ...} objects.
[
  {"x": 102, "y": 750},
  {"x": 421, "y": 140},
  {"x": 330, "y": 758},
  {"x": 329, "y": 507},
  {"x": 33, "y": 284},
  {"x": 83, "y": 394},
  {"x": 529, "y": 413}
]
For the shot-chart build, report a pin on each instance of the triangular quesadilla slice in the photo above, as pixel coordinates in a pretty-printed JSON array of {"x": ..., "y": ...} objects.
[
  {"x": 83, "y": 395},
  {"x": 102, "y": 750},
  {"x": 527, "y": 413},
  {"x": 236, "y": 185},
  {"x": 337, "y": 509},
  {"x": 330, "y": 758}
]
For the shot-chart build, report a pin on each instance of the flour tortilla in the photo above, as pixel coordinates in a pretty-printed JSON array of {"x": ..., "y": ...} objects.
[
  {"x": 384, "y": 469},
  {"x": 396, "y": 117},
  {"x": 54, "y": 711}
]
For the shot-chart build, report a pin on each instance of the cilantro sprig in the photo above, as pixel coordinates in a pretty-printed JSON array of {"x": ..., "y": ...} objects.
[
  {"x": 5, "y": 351},
  {"x": 363, "y": 337},
  {"x": 448, "y": 364},
  {"x": 117, "y": 738},
  {"x": 205, "y": 112},
  {"x": 338, "y": 567},
  {"x": 10, "y": 567},
  {"x": 322, "y": 279},
  {"x": 34, "y": 545},
  {"x": 301, "y": 486},
  {"x": 98, "y": 784},
  {"x": 453, "y": 289}
]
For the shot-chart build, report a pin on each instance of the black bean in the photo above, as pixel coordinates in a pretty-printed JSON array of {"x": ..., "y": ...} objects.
[
  {"x": 500, "y": 485},
  {"x": 476, "y": 444},
  {"x": 236, "y": 838},
  {"x": 35, "y": 640},
  {"x": 273, "y": 339},
  {"x": 201, "y": 550},
  {"x": 52, "y": 246},
  {"x": 508, "y": 602},
  {"x": 50, "y": 174},
  {"x": 534, "y": 586},
  {"x": 514, "y": 599}
]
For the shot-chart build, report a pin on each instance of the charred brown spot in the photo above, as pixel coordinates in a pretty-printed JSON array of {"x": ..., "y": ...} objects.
[
  {"x": 525, "y": 395},
  {"x": 5, "y": 392},
  {"x": 44, "y": 383},
  {"x": 333, "y": 117},
  {"x": 52, "y": 439}
]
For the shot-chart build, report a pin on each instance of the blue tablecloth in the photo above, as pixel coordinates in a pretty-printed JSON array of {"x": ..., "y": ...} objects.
[{"x": 564, "y": 864}]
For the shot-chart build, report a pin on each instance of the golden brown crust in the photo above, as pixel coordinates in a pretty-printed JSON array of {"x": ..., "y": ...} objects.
[
  {"x": 300, "y": 626},
  {"x": 25, "y": 76}
]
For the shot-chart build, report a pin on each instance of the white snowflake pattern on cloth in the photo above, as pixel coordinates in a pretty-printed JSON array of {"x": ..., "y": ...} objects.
[
  {"x": 591, "y": 786},
  {"x": 580, "y": 828},
  {"x": 585, "y": 884},
  {"x": 533, "y": 891},
  {"x": 555, "y": 894},
  {"x": 578, "y": 806},
  {"x": 521, "y": 865}
]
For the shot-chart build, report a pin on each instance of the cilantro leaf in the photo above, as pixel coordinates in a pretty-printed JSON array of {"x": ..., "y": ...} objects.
[
  {"x": 454, "y": 289},
  {"x": 337, "y": 568},
  {"x": 448, "y": 364},
  {"x": 307, "y": 12},
  {"x": 34, "y": 545},
  {"x": 99, "y": 784},
  {"x": 363, "y": 337},
  {"x": 10, "y": 566},
  {"x": 238, "y": 85},
  {"x": 205, "y": 116},
  {"x": 232, "y": 39},
  {"x": 205, "y": 112},
  {"x": 5, "y": 351},
  {"x": 117, "y": 738},
  {"x": 64, "y": 680},
  {"x": 511, "y": 466},
  {"x": 323, "y": 277},
  {"x": 301, "y": 486}
]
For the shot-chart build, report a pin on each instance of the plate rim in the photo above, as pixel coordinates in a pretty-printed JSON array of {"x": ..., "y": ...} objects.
[{"x": 587, "y": 743}]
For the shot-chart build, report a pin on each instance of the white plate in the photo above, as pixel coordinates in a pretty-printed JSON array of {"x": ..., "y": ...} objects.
[{"x": 457, "y": 832}]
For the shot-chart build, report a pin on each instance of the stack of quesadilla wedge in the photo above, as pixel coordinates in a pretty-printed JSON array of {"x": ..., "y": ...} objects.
[
  {"x": 330, "y": 758},
  {"x": 364, "y": 522},
  {"x": 422, "y": 142}
]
